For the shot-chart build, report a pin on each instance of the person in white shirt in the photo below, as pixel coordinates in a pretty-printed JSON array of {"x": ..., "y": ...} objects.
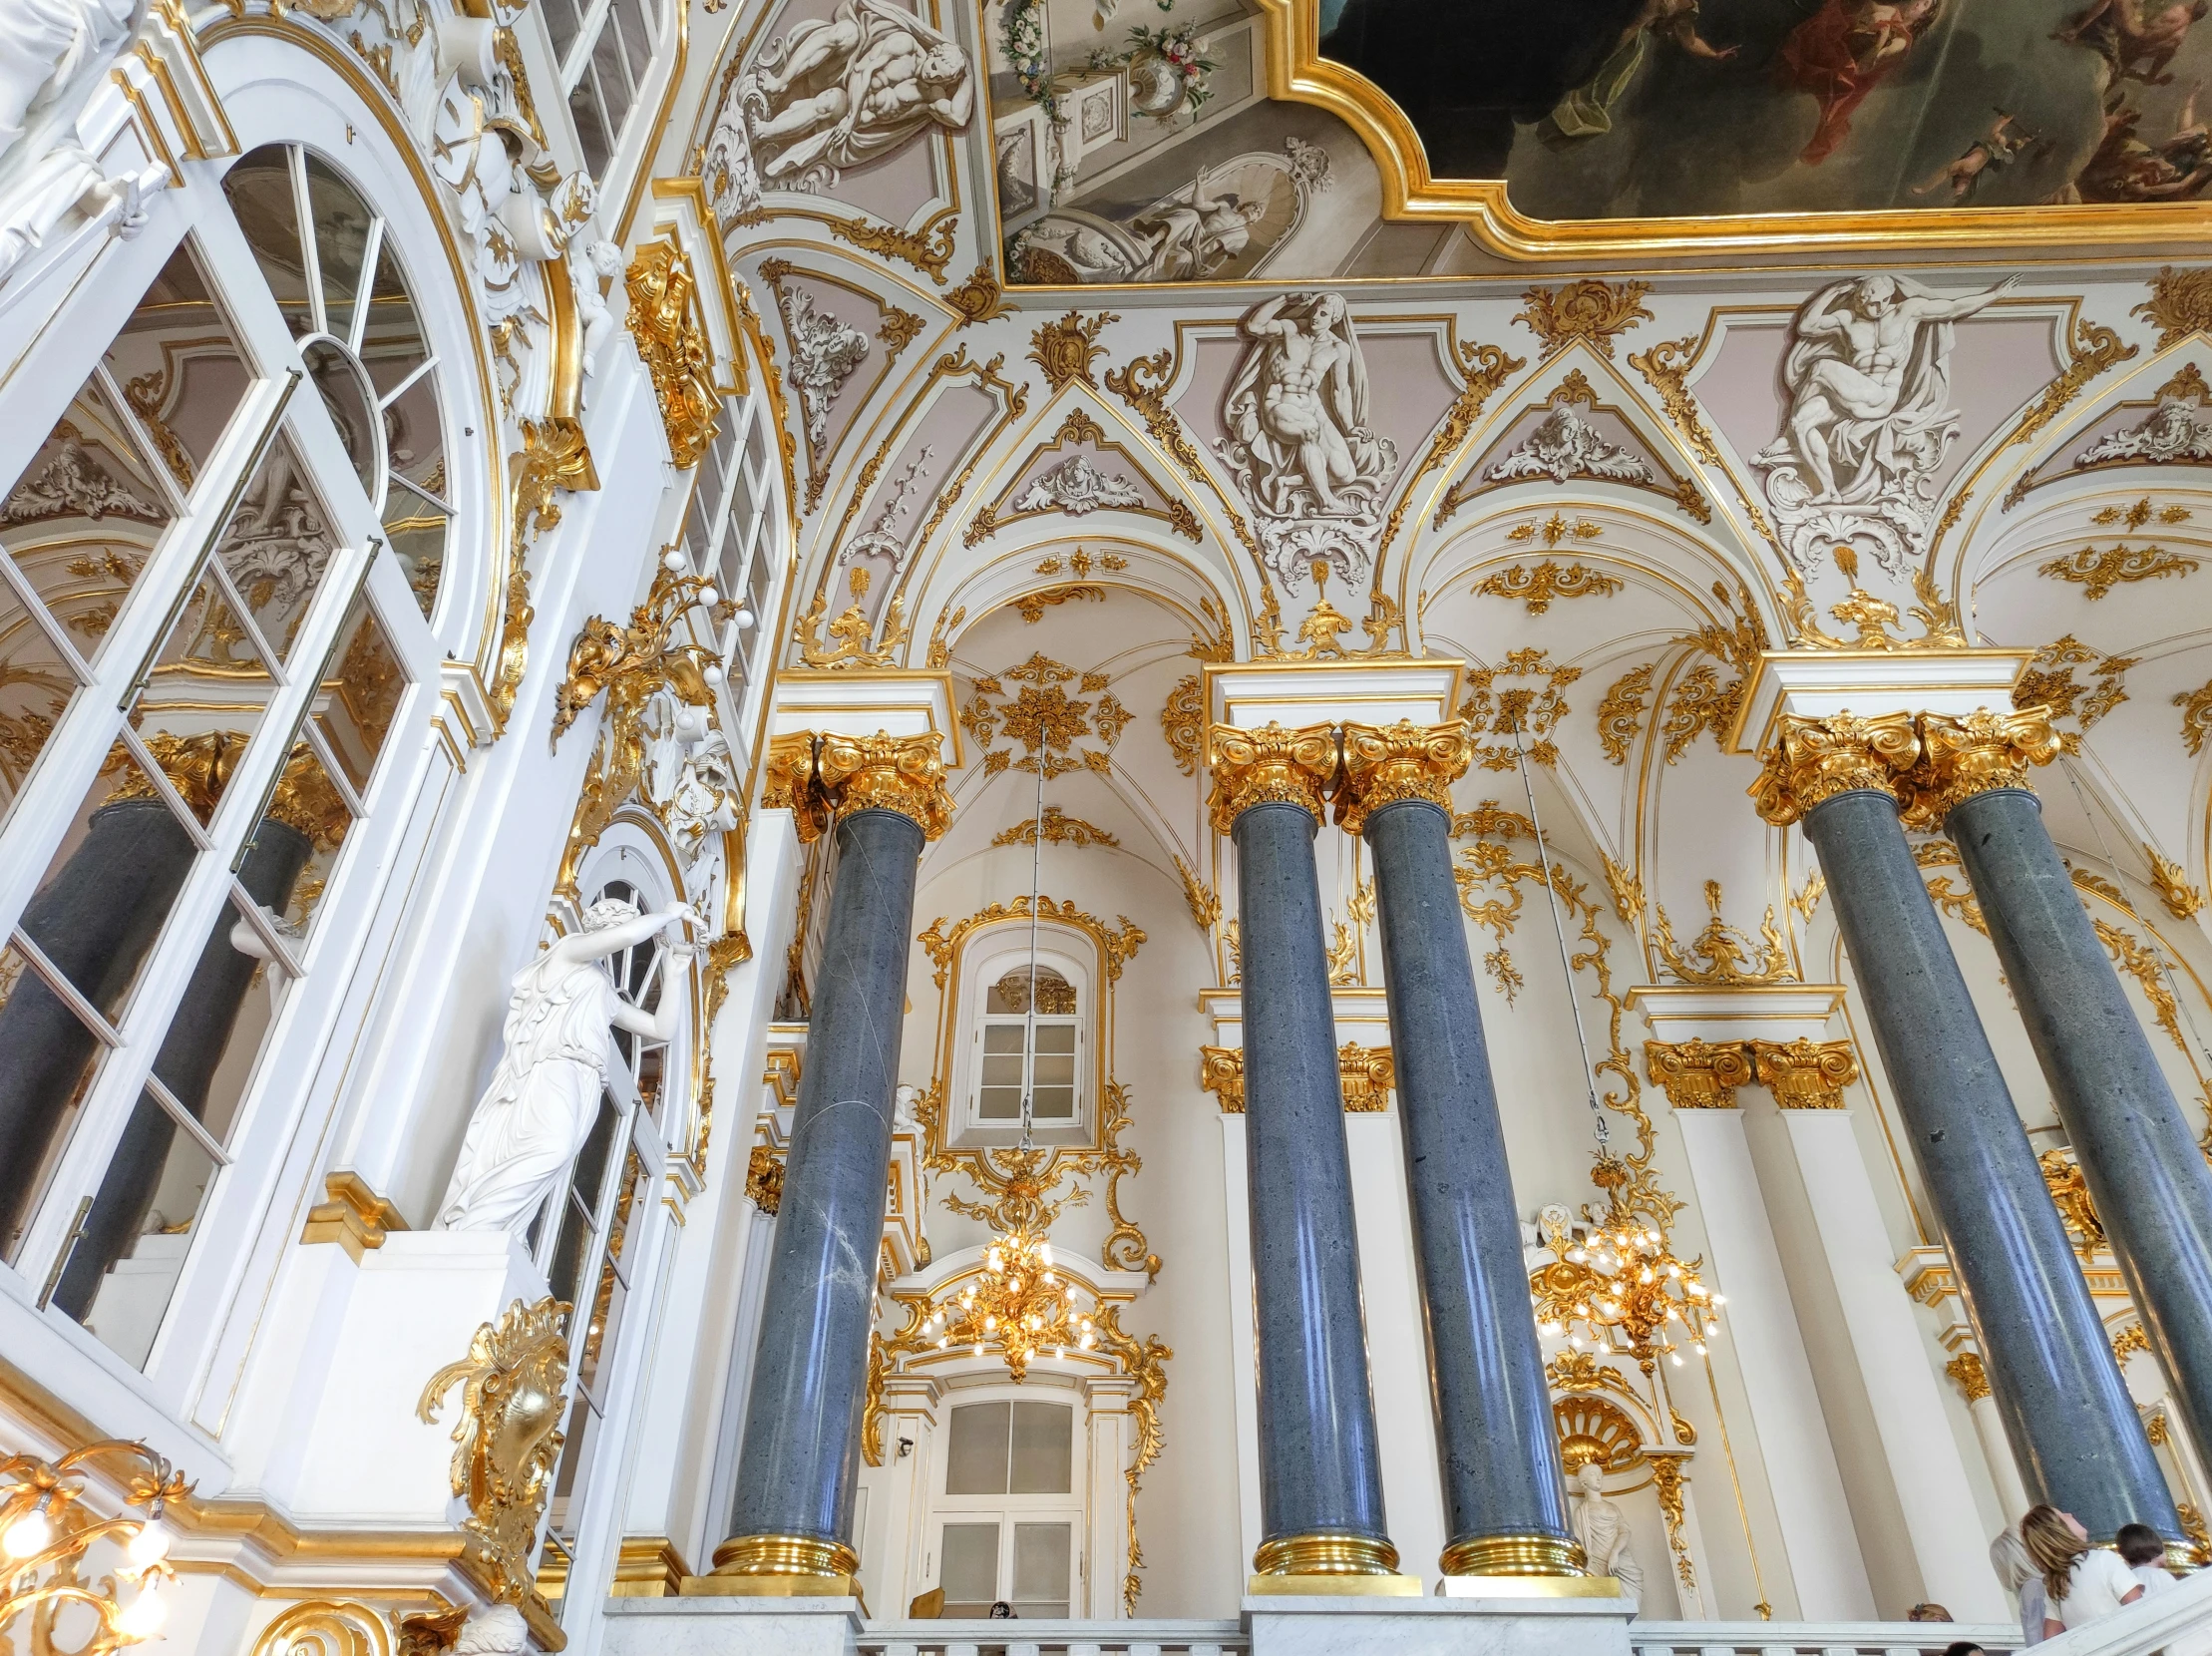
[
  {"x": 2082, "y": 1582},
  {"x": 2143, "y": 1550},
  {"x": 2009, "y": 1557}
]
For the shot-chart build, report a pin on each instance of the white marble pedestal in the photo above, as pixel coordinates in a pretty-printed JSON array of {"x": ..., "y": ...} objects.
[
  {"x": 1456, "y": 1627},
  {"x": 731, "y": 1626}
]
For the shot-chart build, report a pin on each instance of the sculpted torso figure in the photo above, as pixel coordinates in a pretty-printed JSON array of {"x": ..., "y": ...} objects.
[
  {"x": 545, "y": 1095},
  {"x": 1602, "y": 1529},
  {"x": 1305, "y": 389}
]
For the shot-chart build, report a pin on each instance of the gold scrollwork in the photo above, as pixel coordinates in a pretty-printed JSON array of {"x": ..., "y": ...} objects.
[
  {"x": 1588, "y": 312},
  {"x": 2098, "y": 573},
  {"x": 1270, "y": 766},
  {"x": 764, "y": 1180},
  {"x": 509, "y": 1436},
  {"x": 1969, "y": 1374},
  {"x": 1482, "y": 368},
  {"x": 326, "y": 1627},
  {"x": 2183, "y": 901},
  {"x": 665, "y": 320},
  {"x": 1385, "y": 764},
  {"x": 1722, "y": 954},
  {"x": 1538, "y": 585},
  {"x": 553, "y": 457},
  {"x": 929, "y": 249},
  {"x": 2069, "y": 1193},
  {"x": 1221, "y": 1071},
  {"x": 1117, "y": 947},
  {"x": 1064, "y": 350}
]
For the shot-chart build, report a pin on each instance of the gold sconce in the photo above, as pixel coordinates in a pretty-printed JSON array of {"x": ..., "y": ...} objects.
[{"x": 45, "y": 1532}]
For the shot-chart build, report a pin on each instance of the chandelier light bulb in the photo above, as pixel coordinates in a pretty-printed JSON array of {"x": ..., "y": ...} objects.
[
  {"x": 1699, "y": 1347},
  {"x": 673, "y": 561},
  {"x": 713, "y": 675},
  {"x": 150, "y": 1545},
  {"x": 147, "y": 1612},
  {"x": 1675, "y": 1357},
  {"x": 28, "y": 1534},
  {"x": 744, "y": 618},
  {"x": 709, "y": 597}
]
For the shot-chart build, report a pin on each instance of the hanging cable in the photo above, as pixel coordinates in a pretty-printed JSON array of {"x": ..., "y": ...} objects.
[
  {"x": 2127, "y": 903},
  {"x": 1036, "y": 902},
  {"x": 1558, "y": 933}
]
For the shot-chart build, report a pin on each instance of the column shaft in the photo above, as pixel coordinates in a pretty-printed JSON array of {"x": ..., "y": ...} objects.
[
  {"x": 2065, "y": 1408},
  {"x": 1320, "y": 1478},
  {"x": 2149, "y": 1180},
  {"x": 1505, "y": 1500},
  {"x": 799, "y": 1464}
]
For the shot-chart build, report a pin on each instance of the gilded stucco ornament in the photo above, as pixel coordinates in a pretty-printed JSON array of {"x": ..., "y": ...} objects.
[
  {"x": 1815, "y": 760},
  {"x": 1967, "y": 1374},
  {"x": 1962, "y": 756},
  {"x": 1695, "y": 1074},
  {"x": 1271, "y": 766},
  {"x": 1383, "y": 764},
  {"x": 817, "y": 775},
  {"x": 508, "y": 1440},
  {"x": 1722, "y": 954},
  {"x": 1805, "y": 1073},
  {"x": 664, "y": 319}
]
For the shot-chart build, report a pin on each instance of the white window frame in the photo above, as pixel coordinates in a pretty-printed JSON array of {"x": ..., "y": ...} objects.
[
  {"x": 985, "y": 957},
  {"x": 1072, "y": 1508}
]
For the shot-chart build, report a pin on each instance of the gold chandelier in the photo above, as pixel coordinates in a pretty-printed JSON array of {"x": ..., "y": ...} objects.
[
  {"x": 46, "y": 1531},
  {"x": 1022, "y": 1303},
  {"x": 1623, "y": 1278}
]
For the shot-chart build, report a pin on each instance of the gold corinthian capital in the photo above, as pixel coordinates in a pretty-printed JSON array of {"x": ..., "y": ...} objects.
[
  {"x": 1814, "y": 759},
  {"x": 817, "y": 776},
  {"x": 1961, "y": 757},
  {"x": 1272, "y": 766},
  {"x": 1386, "y": 763}
]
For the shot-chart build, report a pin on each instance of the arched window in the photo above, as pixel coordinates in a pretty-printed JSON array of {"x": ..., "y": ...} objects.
[
  {"x": 1001, "y": 1050},
  {"x": 205, "y": 660},
  {"x": 605, "y": 48},
  {"x": 733, "y": 529}
]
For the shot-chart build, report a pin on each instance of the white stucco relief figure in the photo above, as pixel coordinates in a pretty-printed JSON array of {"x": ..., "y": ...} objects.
[
  {"x": 545, "y": 1095},
  {"x": 495, "y": 1630},
  {"x": 1299, "y": 444},
  {"x": 1602, "y": 1529},
  {"x": 1870, "y": 418},
  {"x": 54, "y": 54},
  {"x": 1077, "y": 486},
  {"x": 824, "y": 353},
  {"x": 594, "y": 308},
  {"x": 838, "y": 91},
  {"x": 1568, "y": 446},
  {"x": 2179, "y": 429}
]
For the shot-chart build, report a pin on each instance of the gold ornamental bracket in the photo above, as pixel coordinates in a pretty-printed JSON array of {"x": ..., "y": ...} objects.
[{"x": 666, "y": 322}]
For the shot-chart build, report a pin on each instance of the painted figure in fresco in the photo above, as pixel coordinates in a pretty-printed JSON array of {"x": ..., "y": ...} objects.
[
  {"x": 545, "y": 1095},
  {"x": 1194, "y": 237},
  {"x": 1995, "y": 150},
  {"x": 2137, "y": 45},
  {"x": 1299, "y": 411},
  {"x": 1587, "y": 109},
  {"x": 2127, "y": 168},
  {"x": 1843, "y": 52},
  {"x": 839, "y": 90}
]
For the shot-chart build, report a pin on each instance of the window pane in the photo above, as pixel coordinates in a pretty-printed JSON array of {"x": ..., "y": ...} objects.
[
  {"x": 1052, "y": 1103},
  {"x": 1055, "y": 1038},
  {"x": 278, "y": 545},
  {"x": 999, "y": 1039},
  {"x": 289, "y": 860},
  {"x": 204, "y": 698},
  {"x": 569, "y": 1248},
  {"x": 83, "y": 520},
  {"x": 637, "y": 38},
  {"x": 415, "y": 436},
  {"x": 607, "y": 69},
  {"x": 1044, "y": 1434},
  {"x": 969, "y": 1575},
  {"x": 47, "y": 1060},
  {"x": 110, "y": 884},
  {"x": 180, "y": 368},
  {"x": 342, "y": 222},
  {"x": 1041, "y": 1552},
  {"x": 346, "y": 398},
  {"x": 589, "y": 1179},
  {"x": 36, "y": 688},
  {"x": 562, "y": 22},
  {"x": 354, "y": 706},
  {"x": 998, "y": 1103},
  {"x": 416, "y": 526},
  {"x": 975, "y": 1453},
  {"x": 260, "y": 189},
  {"x": 127, "y": 1258},
  {"x": 591, "y": 127},
  {"x": 391, "y": 345}
]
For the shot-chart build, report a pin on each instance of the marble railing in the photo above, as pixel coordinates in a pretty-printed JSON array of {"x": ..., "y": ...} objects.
[
  {"x": 1816, "y": 1638},
  {"x": 1054, "y": 1638}
]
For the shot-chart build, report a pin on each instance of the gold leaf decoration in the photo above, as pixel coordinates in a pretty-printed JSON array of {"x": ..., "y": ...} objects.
[
  {"x": 2180, "y": 304},
  {"x": 2099, "y": 571},
  {"x": 1057, "y": 827},
  {"x": 1621, "y": 713},
  {"x": 1666, "y": 368},
  {"x": 1590, "y": 310},
  {"x": 1180, "y": 720},
  {"x": 929, "y": 249},
  {"x": 1720, "y": 954},
  {"x": 2196, "y": 718},
  {"x": 665, "y": 321},
  {"x": 2183, "y": 901},
  {"x": 1536, "y": 586},
  {"x": 1066, "y": 349}
]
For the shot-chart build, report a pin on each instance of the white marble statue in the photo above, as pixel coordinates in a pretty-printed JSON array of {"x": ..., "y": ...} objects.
[
  {"x": 1869, "y": 417},
  {"x": 601, "y": 261},
  {"x": 838, "y": 91},
  {"x": 1602, "y": 1529},
  {"x": 54, "y": 54},
  {"x": 545, "y": 1095},
  {"x": 495, "y": 1630},
  {"x": 1299, "y": 443}
]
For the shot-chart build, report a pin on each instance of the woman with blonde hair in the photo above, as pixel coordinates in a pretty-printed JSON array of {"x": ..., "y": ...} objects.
[
  {"x": 2080, "y": 1582},
  {"x": 2016, "y": 1573}
]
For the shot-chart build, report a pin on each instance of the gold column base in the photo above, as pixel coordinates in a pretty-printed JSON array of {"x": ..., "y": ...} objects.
[
  {"x": 778, "y": 1566},
  {"x": 1513, "y": 1555},
  {"x": 1332, "y": 1586},
  {"x": 1326, "y": 1552},
  {"x": 648, "y": 1566}
]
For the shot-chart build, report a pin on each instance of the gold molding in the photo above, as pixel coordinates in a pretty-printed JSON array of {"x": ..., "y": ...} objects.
[
  {"x": 1326, "y": 1553},
  {"x": 648, "y": 1566},
  {"x": 1386, "y": 764},
  {"x": 1805, "y": 1073},
  {"x": 1269, "y": 767},
  {"x": 807, "y": 1557},
  {"x": 1514, "y": 1556},
  {"x": 1295, "y": 70},
  {"x": 355, "y": 1217}
]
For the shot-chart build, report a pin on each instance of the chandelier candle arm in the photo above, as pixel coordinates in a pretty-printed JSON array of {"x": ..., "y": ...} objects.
[
  {"x": 2149, "y": 1180},
  {"x": 2067, "y": 1411},
  {"x": 1505, "y": 1498},
  {"x": 799, "y": 1461},
  {"x": 1321, "y": 1472}
]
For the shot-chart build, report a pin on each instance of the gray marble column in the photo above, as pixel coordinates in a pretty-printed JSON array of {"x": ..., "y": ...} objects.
[
  {"x": 2152, "y": 1189},
  {"x": 799, "y": 1462},
  {"x": 2067, "y": 1411},
  {"x": 1505, "y": 1498},
  {"x": 1320, "y": 1478}
]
